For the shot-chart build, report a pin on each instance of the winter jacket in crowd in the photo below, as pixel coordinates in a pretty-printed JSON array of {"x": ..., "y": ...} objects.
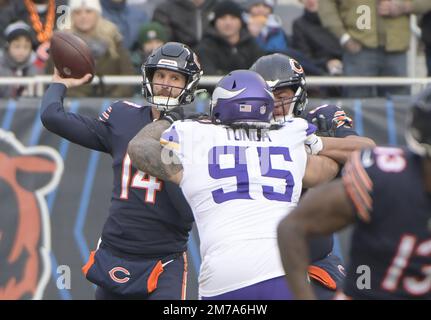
[
  {"x": 184, "y": 21},
  {"x": 392, "y": 33},
  {"x": 219, "y": 57},
  {"x": 127, "y": 17},
  {"x": 314, "y": 41},
  {"x": 10, "y": 68}
]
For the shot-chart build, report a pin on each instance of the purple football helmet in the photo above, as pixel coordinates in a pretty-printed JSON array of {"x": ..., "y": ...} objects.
[{"x": 242, "y": 96}]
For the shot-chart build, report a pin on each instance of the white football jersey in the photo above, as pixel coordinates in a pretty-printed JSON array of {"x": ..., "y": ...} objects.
[{"x": 239, "y": 187}]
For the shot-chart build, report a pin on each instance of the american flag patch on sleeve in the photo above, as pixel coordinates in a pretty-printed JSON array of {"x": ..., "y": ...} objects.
[
  {"x": 245, "y": 108},
  {"x": 105, "y": 115}
]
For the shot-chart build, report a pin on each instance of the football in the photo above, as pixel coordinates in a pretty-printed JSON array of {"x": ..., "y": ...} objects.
[{"x": 71, "y": 55}]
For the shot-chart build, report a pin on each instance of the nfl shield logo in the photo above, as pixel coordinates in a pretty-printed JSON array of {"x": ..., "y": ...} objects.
[{"x": 262, "y": 109}]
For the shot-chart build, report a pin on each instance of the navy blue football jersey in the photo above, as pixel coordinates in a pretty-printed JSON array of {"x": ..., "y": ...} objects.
[
  {"x": 391, "y": 240},
  {"x": 335, "y": 118},
  {"x": 147, "y": 216}
]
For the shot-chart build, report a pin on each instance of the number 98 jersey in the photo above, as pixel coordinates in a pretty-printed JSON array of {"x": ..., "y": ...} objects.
[{"x": 240, "y": 184}]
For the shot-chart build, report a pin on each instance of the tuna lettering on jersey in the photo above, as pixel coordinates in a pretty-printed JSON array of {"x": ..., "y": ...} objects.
[{"x": 252, "y": 135}]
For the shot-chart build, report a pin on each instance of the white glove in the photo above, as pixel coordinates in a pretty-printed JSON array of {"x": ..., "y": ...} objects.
[{"x": 313, "y": 144}]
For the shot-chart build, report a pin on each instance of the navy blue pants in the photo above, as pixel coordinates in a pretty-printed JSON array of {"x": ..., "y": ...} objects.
[
  {"x": 121, "y": 279},
  {"x": 329, "y": 279}
]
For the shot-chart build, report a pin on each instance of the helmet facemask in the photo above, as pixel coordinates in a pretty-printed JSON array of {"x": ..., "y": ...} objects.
[
  {"x": 174, "y": 57},
  {"x": 292, "y": 106},
  {"x": 168, "y": 101},
  {"x": 281, "y": 71}
]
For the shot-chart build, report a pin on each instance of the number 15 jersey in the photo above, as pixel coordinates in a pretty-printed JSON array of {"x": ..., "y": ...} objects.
[{"x": 239, "y": 184}]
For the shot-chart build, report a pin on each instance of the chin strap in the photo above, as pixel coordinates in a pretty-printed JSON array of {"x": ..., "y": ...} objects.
[{"x": 164, "y": 103}]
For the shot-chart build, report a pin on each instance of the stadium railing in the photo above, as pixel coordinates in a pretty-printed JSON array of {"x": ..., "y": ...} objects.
[{"x": 36, "y": 85}]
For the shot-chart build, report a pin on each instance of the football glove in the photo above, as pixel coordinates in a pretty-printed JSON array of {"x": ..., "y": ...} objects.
[
  {"x": 173, "y": 115},
  {"x": 313, "y": 144}
]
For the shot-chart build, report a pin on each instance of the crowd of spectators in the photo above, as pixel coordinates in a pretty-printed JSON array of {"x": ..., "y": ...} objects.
[{"x": 331, "y": 37}]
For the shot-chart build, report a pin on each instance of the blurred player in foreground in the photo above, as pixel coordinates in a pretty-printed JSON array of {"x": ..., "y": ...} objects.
[{"x": 386, "y": 194}]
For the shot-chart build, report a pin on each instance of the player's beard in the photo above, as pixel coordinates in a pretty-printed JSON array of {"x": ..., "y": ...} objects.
[
  {"x": 164, "y": 92},
  {"x": 164, "y": 100}
]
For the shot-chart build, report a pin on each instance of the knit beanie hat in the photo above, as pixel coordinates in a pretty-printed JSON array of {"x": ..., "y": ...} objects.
[
  {"x": 90, "y": 4},
  {"x": 268, "y": 3},
  {"x": 17, "y": 29},
  {"x": 227, "y": 7},
  {"x": 151, "y": 31}
]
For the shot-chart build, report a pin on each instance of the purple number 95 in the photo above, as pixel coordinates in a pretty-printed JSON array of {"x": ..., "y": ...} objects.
[{"x": 240, "y": 172}]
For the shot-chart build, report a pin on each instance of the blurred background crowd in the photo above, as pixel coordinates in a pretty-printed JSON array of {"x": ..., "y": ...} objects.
[{"x": 328, "y": 37}]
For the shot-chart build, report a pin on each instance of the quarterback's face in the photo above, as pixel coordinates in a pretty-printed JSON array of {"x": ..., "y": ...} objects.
[
  {"x": 168, "y": 83},
  {"x": 283, "y": 98}
]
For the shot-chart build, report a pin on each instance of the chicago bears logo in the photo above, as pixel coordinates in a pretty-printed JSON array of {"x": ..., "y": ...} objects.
[
  {"x": 26, "y": 176},
  {"x": 119, "y": 274},
  {"x": 296, "y": 66}
]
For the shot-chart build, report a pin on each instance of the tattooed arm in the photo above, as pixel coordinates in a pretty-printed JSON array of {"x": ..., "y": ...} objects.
[{"x": 148, "y": 155}]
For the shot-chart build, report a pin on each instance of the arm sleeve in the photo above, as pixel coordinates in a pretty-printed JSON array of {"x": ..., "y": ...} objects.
[
  {"x": 311, "y": 129},
  {"x": 86, "y": 131},
  {"x": 336, "y": 119},
  {"x": 179, "y": 201}
]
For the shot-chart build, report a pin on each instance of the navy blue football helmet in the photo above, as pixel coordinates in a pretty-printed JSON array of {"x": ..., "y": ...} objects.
[
  {"x": 177, "y": 57},
  {"x": 281, "y": 71}
]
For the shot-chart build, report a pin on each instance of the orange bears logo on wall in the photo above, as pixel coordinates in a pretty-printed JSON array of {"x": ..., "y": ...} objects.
[{"x": 27, "y": 175}]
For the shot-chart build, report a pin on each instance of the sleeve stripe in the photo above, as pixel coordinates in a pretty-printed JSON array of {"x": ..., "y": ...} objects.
[
  {"x": 361, "y": 191},
  {"x": 363, "y": 175},
  {"x": 351, "y": 191},
  {"x": 359, "y": 186}
]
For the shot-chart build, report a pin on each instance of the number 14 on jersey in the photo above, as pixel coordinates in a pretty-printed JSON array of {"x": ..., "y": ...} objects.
[{"x": 140, "y": 180}]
